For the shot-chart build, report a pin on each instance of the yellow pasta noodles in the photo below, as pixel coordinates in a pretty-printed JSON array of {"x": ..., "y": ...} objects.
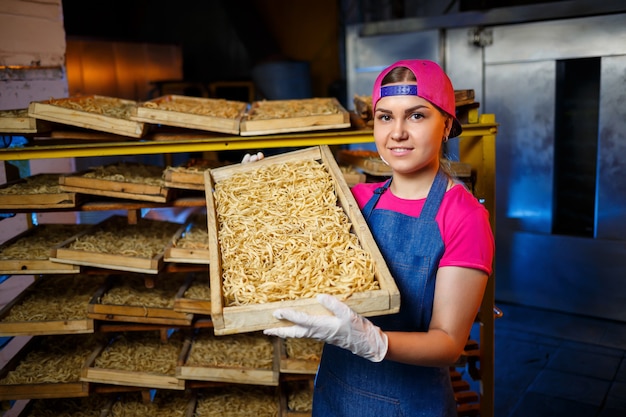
[
  {"x": 240, "y": 351},
  {"x": 283, "y": 237},
  {"x": 56, "y": 359},
  {"x": 238, "y": 401},
  {"x": 206, "y": 107},
  {"x": 142, "y": 352},
  {"x": 63, "y": 297},
  {"x": 164, "y": 404}
]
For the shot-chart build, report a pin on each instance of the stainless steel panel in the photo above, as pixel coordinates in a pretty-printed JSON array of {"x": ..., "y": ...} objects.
[
  {"x": 521, "y": 96},
  {"x": 558, "y": 39},
  {"x": 611, "y": 183},
  {"x": 574, "y": 275},
  {"x": 367, "y": 56}
]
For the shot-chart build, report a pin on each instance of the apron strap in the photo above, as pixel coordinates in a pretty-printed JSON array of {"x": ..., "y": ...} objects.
[
  {"x": 369, "y": 207},
  {"x": 435, "y": 196}
]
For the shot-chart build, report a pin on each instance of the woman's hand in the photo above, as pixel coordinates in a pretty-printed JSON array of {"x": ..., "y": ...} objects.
[{"x": 344, "y": 328}]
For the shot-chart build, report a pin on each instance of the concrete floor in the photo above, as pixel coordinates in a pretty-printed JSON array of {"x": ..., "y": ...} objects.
[{"x": 553, "y": 364}]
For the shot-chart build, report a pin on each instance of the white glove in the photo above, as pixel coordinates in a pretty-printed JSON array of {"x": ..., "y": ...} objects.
[
  {"x": 252, "y": 158},
  {"x": 344, "y": 328}
]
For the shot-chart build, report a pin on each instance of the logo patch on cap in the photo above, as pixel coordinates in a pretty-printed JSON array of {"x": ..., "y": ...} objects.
[{"x": 398, "y": 90}]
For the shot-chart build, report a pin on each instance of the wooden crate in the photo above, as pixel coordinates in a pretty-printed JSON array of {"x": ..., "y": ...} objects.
[
  {"x": 189, "y": 175},
  {"x": 299, "y": 365},
  {"x": 90, "y": 112},
  {"x": 367, "y": 161},
  {"x": 90, "y": 406},
  {"x": 34, "y": 241},
  {"x": 301, "y": 391},
  {"x": 139, "y": 311},
  {"x": 156, "y": 191},
  {"x": 66, "y": 346},
  {"x": 187, "y": 303},
  {"x": 39, "y": 192},
  {"x": 48, "y": 293},
  {"x": 250, "y": 400},
  {"x": 18, "y": 121},
  {"x": 236, "y": 319},
  {"x": 284, "y": 122},
  {"x": 185, "y": 248},
  {"x": 216, "y": 115},
  {"x": 131, "y": 378},
  {"x": 232, "y": 373},
  {"x": 64, "y": 253},
  {"x": 164, "y": 402}
]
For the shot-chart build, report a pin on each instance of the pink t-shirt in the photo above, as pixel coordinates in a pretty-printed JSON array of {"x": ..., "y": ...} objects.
[{"x": 462, "y": 220}]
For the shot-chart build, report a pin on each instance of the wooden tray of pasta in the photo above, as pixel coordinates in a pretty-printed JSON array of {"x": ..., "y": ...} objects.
[
  {"x": 40, "y": 192},
  {"x": 281, "y": 231},
  {"x": 18, "y": 121},
  {"x": 125, "y": 298},
  {"x": 216, "y": 115},
  {"x": 121, "y": 180},
  {"x": 47, "y": 367},
  {"x": 117, "y": 245},
  {"x": 30, "y": 251},
  {"x": 240, "y": 358},
  {"x": 297, "y": 115},
  {"x": 51, "y": 305},
  {"x": 106, "y": 114}
]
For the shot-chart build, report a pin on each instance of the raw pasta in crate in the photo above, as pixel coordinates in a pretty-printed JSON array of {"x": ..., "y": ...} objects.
[
  {"x": 126, "y": 298},
  {"x": 117, "y": 245},
  {"x": 30, "y": 252},
  {"x": 124, "y": 180},
  {"x": 281, "y": 231},
  {"x": 48, "y": 367},
  {"x": 190, "y": 175},
  {"x": 164, "y": 403},
  {"x": 296, "y": 398},
  {"x": 300, "y": 356},
  {"x": 105, "y": 114},
  {"x": 212, "y": 114},
  {"x": 195, "y": 295},
  {"x": 191, "y": 243},
  {"x": 94, "y": 405},
  {"x": 137, "y": 359},
  {"x": 238, "y": 400},
  {"x": 18, "y": 121},
  {"x": 53, "y": 304},
  {"x": 40, "y": 191},
  {"x": 240, "y": 358},
  {"x": 294, "y": 115}
]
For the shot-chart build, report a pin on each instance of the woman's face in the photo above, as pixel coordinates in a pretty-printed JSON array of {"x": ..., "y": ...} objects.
[{"x": 409, "y": 132}]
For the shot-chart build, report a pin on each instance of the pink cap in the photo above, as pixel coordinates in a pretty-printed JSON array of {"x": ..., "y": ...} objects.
[{"x": 432, "y": 84}]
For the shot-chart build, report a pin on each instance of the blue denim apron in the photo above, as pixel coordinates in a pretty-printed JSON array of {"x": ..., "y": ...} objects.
[{"x": 348, "y": 385}]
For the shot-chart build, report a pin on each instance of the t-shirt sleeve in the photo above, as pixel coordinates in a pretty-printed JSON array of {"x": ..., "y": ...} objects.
[{"x": 467, "y": 236}]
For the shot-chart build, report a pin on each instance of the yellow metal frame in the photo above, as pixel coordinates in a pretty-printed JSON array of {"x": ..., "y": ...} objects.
[
  {"x": 477, "y": 147},
  {"x": 222, "y": 143}
]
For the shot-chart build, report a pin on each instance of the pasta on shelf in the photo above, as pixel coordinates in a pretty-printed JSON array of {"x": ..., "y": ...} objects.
[
  {"x": 241, "y": 351},
  {"x": 165, "y": 404},
  {"x": 142, "y": 352},
  {"x": 238, "y": 401},
  {"x": 55, "y": 359},
  {"x": 63, "y": 297}
]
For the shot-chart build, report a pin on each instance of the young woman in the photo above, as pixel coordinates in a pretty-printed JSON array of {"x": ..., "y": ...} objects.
[{"x": 437, "y": 242}]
